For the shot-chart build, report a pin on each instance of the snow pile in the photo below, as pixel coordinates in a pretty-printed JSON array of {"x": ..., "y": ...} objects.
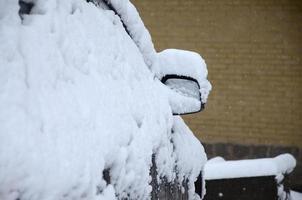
[{"x": 77, "y": 98}]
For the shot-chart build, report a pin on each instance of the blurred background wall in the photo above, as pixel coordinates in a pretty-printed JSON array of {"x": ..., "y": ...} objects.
[{"x": 253, "y": 49}]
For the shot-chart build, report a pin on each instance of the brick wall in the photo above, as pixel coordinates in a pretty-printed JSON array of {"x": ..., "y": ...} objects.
[{"x": 253, "y": 49}]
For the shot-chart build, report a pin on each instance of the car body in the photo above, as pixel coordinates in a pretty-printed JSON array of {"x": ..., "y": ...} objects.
[{"x": 88, "y": 107}]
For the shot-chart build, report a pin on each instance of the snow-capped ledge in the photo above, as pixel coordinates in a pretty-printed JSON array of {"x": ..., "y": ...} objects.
[{"x": 218, "y": 168}]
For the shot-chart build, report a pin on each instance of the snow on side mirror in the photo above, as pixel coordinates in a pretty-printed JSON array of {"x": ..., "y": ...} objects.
[
  {"x": 185, "y": 74},
  {"x": 187, "y": 92}
]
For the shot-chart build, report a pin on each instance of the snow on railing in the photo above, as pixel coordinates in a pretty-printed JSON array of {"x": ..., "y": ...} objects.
[{"x": 218, "y": 168}]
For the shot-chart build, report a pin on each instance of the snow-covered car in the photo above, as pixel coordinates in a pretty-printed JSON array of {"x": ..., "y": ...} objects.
[
  {"x": 261, "y": 179},
  {"x": 89, "y": 109}
]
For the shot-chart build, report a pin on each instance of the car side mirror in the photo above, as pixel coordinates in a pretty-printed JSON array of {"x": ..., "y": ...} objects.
[
  {"x": 185, "y": 75},
  {"x": 186, "y": 88}
]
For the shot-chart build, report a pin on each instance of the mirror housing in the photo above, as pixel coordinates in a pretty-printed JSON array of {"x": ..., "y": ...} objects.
[{"x": 185, "y": 75}]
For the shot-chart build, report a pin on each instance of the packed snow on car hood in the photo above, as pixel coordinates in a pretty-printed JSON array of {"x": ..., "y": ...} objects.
[{"x": 76, "y": 98}]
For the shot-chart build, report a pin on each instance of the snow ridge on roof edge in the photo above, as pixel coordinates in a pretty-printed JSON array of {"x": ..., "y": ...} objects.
[{"x": 137, "y": 30}]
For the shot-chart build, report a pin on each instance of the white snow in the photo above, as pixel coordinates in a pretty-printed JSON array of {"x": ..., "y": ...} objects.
[
  {"x": 221, "y": 169},
  {"x": 295, "y": 195},
  {"x": 76, "y": 97},
  {"x": 186, "y": 63},
  {"x": 188, "y": 151},
  {"x": 217, "y": 159},
  {"x": 169, "y": 61},
  {"x": 218, "y": 168},
  {"x": 136, "y": 28}
]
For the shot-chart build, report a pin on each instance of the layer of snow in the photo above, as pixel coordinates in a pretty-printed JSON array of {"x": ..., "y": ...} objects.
[
  {"x": 188, "y": 151},
  {"x": 295, "y": 195},
  {"x": 170, "y": 61},
  {"x": 217, "y": 159},
  {"x": 220, "y": 169},
  {"x": 76, "y": 97},
  {"x": 185, "y": 63},
  {"x": 136, "y": 28}
]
